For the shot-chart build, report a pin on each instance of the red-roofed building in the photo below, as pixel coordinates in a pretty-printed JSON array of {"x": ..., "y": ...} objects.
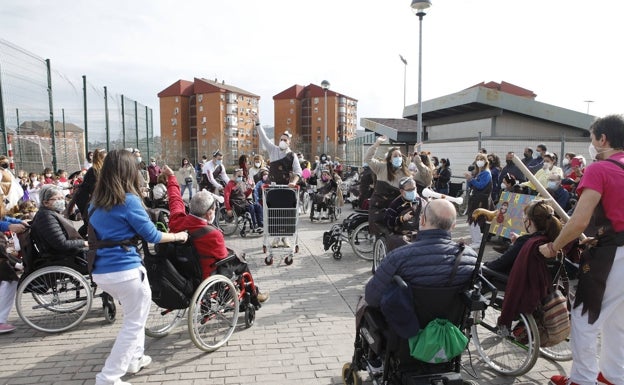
[{"x": 199, "y": 117}]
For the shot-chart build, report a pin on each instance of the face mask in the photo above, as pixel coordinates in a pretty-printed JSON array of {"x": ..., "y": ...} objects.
[
  {"x": 503, "y": 186},
  {"x": 33, "y": 179},
  {"x": 480, "y": 163},
  {"x": 593, "y": 151},
  {"x": 283, "y": 145},
  {"x": 566, "y": 161},
  {"x": 4, "y": 165},
  {"x": 552, "y": 185},
  {"x": 153, "y": 163},
  {"x": 265, "y": 178},
  {"x": 218, "y": 163},
  {"x": 547, "y": 165},
  {"x": 239, "y": 178},
  {"x": 59, "y": 205},
  {"x": 397, "y": 162},
  {"x": 138, "y": 159},
  {"x": 535, "y": 155},
  {"x": 410, "y": 195},
  {"x": 185, "y": 162},
  {"x": 257, "y": 164},
  {"x": 48, "y": 175},
  {"x": 324, "y": 178},
  {"x": 323, "y": 159}
]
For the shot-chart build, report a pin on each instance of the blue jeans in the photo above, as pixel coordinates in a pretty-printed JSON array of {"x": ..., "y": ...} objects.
[
  {"x": 184, "y": 187},
  {"x": 255, "y": 210}
]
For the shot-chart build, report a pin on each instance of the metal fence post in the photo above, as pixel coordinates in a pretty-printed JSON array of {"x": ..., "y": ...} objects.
[
  {"x": 85, "y": 150},
  {"x": 52, "y": 129},
  {"x": 106, "y": 119}
]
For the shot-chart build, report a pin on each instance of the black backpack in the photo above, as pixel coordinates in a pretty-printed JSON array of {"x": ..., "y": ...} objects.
[{"x": 174, "y": 271}]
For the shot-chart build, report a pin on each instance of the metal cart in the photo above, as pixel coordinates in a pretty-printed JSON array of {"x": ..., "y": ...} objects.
[{"x": 280, "y": 204}]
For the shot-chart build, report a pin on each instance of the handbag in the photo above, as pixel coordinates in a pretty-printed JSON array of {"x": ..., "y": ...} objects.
[
  {"x": 553, "y": 319},
  {"x": 440, "y": 341},
  {"x": 188, "y": 180}
]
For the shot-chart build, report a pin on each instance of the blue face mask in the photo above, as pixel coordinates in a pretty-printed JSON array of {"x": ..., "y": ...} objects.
[
  {"x": 410, "y": 195},
  {"x": 239, "y": 178},
  {"x": 218, "y": 162},
  {"x": 397, "y": 162},
  {"x": 552, "y": 185}
]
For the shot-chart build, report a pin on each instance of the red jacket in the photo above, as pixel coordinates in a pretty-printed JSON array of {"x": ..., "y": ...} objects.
[
  {"x": 211, "y": 245},
  {"x": 233, "y": 194}
]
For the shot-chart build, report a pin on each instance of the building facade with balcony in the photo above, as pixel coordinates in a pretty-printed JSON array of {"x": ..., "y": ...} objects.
[
  {"x": 301, "y": 111},
  {"x": 202, "y": 116}
]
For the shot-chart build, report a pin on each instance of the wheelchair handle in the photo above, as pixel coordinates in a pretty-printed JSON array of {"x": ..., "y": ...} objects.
[
  {"x": 399, "y": 281},
  {"x": 490, "y": 286}
]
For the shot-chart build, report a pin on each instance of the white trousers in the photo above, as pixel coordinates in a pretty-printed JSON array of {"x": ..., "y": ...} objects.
[
  {"x": 587, "y": 361},
  {"x": 131, "y": 289},
  {"x": 7, "y": 298}
]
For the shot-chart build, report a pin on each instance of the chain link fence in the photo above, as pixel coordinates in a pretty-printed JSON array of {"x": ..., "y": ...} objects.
[{"x": 48, "y": 119}]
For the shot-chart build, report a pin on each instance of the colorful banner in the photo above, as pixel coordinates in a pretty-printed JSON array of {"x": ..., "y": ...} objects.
[{"x": 510, "y": 209}]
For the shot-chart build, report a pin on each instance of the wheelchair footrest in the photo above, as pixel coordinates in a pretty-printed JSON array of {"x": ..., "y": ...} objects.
[{"x": 450, "y": 378}]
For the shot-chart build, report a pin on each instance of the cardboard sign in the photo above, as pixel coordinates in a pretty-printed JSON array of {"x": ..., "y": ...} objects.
[{"x": 510, "y": 208}]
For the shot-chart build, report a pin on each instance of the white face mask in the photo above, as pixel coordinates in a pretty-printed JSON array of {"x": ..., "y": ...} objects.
[
  {"x": 566, "y": 161},
  {"x": 503, "y": 186},
  {"x": 547, "y": 165},
  {"x": 552, "y": 185},
  {"x": 593, "y": 151},
  {"x": 59, "y": 205},
  {"x": 283, "y": 145},
  {"x": 480, "y": 163},
  {"x": 257, "y": 164}
]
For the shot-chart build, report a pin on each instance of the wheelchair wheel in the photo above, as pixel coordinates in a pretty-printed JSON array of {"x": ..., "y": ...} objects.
[
  {"x": 508, "y": 352},
  {"x": 54, "y": 299},
  {"x": 213, "y": 313},
  {"x": 379, "y": 252},
  {"x": 350, "y": 376},
  {"x": 110, "y": 312},
  {"x": 160, "y": 322},
  {"x": 227, "y": 224},
  {"x": 305, "y": 202},
  {"x": 560, "y": 352},
  {"x": 250, "y": 316},
  {"x": 362, "y": 242}
]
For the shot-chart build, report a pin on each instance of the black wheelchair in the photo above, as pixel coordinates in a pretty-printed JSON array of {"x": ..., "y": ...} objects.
[
  {"x": 55, "y": 294},
  {"x": 353, "y": 229},
  {"x": 376, "y": 340}
]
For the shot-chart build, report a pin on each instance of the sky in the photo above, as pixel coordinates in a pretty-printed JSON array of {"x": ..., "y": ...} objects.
[{"x": 565, "y": 51}]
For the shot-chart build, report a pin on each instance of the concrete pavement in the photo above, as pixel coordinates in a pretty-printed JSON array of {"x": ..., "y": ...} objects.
[{"x": 303, "y": 335}]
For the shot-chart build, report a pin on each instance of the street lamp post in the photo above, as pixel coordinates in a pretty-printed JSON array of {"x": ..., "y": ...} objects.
[
  {"x": 325, "y": 84},
  {"x": 404, "y": 78},
  {"x": 588, "y": 103},
  {"x": 419, "y": 6}
]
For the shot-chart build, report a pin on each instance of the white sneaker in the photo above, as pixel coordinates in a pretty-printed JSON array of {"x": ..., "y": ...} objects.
[
  {"x": 141, "y": 363},
  {"x": 285, "y": 242},
  {"x": 275, "y": 243},
  {"x": 317, "y": 215}
]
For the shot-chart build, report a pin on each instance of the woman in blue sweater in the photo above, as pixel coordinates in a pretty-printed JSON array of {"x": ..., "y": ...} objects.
[
  {"x": 117, "y": 214},
  {"x": 480, "y": 184}
]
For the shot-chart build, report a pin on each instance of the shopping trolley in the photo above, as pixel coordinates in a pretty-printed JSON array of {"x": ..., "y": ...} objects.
[{"x": 280, "y": 203}]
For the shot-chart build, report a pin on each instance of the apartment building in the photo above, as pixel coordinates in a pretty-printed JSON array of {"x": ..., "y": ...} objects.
[
  {"x": 301, "y": 111},
  {"x": 202, "y": 116}
]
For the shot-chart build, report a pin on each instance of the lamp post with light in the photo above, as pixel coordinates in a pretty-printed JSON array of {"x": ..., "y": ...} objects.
[
  {"x": 325, "y": 85},
  {"x": 418, "y": 7},
  {"x": 404, "y": 78}
]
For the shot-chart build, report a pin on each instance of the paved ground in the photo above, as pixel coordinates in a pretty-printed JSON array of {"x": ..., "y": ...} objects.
[{"x": 303, "y": 335}]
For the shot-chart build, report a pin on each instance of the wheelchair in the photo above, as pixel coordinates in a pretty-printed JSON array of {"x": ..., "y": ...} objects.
[
  {"x": 514, "y": 352},
  {"x": 56, "y": 295},
  {"x": 376, "y": 340},
  {"x": 160, "y": 218},
  {"x": 333, "y": 211},
  {"x": 353, "y": 229},
  {"x": 214, "y": 309}
]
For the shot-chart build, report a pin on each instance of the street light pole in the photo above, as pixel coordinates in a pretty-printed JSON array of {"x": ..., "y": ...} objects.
[
  {"x": 325, "y": 84},
  {"x": 419, "y": 6},
  {"x": 404, "y": 79},
  {"x": 588, "y": 103}
]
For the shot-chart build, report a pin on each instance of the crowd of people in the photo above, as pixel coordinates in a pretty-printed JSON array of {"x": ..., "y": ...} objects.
[{"x": 113, "y": 189}]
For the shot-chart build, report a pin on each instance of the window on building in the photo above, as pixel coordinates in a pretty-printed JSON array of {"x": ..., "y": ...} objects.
[
  {"x": 203, "y": 119},
  {"x": 176, "y": 111},
  {"x": 318, "y": 119},
  {"x": 288, "y": 121},
  {"x": 200, "y": 97},
  {"x": 316, "y": 100},
  {"x": 292, "y": 111},
  {"x": 201, "y": 108},
  {"x": 204, "y": 131},
  {"x": 174, "y": 132},
  {"x": 316, "y": 110},
  {"x": 177, "y": 100},
  {"x": 292, "y": 101}
]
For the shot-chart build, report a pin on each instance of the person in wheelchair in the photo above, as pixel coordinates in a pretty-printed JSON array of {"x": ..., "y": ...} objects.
[
  {"x": 326, "y": 187},
  {"x": 56, "y": 238},
  {"x": 235, "y": 198},
  {"x": 403, "y": 215},
  {"x": 211, "y": 245},
  {"x": 426, "y": 262}
]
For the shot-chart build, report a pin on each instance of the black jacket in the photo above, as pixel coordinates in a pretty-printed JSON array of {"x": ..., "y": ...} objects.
[{"x": 51, "y": 235}]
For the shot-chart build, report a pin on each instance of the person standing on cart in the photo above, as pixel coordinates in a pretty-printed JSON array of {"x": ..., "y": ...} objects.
[{"x": 285, "y": 168}]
